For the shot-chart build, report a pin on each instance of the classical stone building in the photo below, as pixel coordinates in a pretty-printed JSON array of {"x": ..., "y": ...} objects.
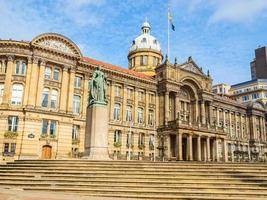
[{"x": 157, "y": 110}]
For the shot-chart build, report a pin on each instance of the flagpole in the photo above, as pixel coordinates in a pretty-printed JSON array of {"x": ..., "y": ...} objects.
[{"x": 168, "y": 49}]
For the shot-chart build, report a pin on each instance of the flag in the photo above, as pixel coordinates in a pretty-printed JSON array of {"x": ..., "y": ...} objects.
[{"x": 170, "y": 20}]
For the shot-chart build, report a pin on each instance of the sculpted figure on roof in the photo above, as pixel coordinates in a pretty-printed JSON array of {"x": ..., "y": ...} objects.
[{"x": 98, "y": 88}]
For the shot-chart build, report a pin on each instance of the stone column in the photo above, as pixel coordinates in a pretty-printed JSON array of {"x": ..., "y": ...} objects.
[
  {"x": 208, "y": 148},
  {"x": 111, "y": 102},
  {"x": 71, "y": 91},
  {"x": 168, "y": 147},
  {"x": 225, "y": 150},
  {"x": 210, "y": 113},
  {"x": 167, "y": 108},
  {"x": 216, "y": 141},
  {"x": 218, "y": 117},
  {"x": 40, "y": 84},
  {"x": 197, "y": 111},
  {"x": 136, "y": 106},
  {"x": 8, "y": 86},
  {"x": 64, "y": 89},
  {"x": 241, "y": 126},
  {"x": 28, "y": 79},
  {"x": 124, "y": 102},
  {"x": 189, "y": 147},
  {"x": 223, "y": 120},
  {"x": 180, "y": 147},
  {"x": 147, "y": 107},
  {"x": 203, "y": 115},
  {"x": 85, "y": 95},
  {"x": 199, "y": 148},
  {"x": 177, "y": 109},
  {"x": 230, "y": 123},
  {"x": 264, "y": 129},
  {"x": 34, "y": 81},
  {"x": 236, "y": 125}
]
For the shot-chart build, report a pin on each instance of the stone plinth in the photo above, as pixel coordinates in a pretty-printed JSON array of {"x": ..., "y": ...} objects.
[{"x": 96, "y": 135}]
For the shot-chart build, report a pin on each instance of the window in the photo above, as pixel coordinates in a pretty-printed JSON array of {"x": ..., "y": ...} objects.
[
  {"x": 53, "y": 127},
  {"x": 78, "y": 82},
  {"x": 151, "y": 117},
  {"x": 117, "y": 136},
  {"x": 129, "y": 93},
  {"x": 45, "y": 97},
  {"x": 20, "y": 68},
  {"x": 49, "y": 127},
  {"x": 130, "y": 138},
  {"x": 141, "y": 60},
  {"x": 44, "y": 126},
  {"x": 155, "y": 61},
  {"x": 2, "y": 67},
  {"x": 54, "y": 97},
  {"x": 151, "y": 140},
  {"x": 145, "y": 60},
  {"x": 6, "y": 148},
  {"x": 17, "y": 93},
  {"x": 75, "y": 132},
  {"x": 48, "y": 72},
  {"x": 13, "y": 122},
  {"x": 1, "y": 92},
  {"x": 140, "y": 118},
  {"x": 245, "y": 98},
  {"x": 143, "y": 40},
  {"x": 76, "y": 104},
  {"x": 151, "y": 98},
  {"x": 117, "y": 90},
  {"x": 255, "y": 96},
  {"x": 13, "y": 148},
  {"x": 140, "y": 96},
  {"x": 56, "y": 74},
  {"x": 129, "y": 113},
  {"x": 117, "y": 111},
  {"x": 141, "y": 139}
]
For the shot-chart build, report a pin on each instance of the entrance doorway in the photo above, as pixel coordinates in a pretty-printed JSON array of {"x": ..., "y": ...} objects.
[
  {"x": 46, "y": 152},
  {"x": 184, "y": 148},
  {"x": 173, "y": 145}
]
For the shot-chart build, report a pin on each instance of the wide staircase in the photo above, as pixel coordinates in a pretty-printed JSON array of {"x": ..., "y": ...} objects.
[{"x": 139, "y": 180}]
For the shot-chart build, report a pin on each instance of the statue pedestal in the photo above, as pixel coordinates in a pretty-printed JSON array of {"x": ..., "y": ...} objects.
[{"x": 96, "y": 133}]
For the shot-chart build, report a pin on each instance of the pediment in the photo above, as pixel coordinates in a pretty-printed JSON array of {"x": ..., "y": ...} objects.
[
  {"x": 192, "y": 67},
  {"x": 57, "y": 42}
]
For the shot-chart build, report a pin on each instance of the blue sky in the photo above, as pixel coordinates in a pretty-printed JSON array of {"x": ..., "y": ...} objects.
[{"x": 220, "y": 35}]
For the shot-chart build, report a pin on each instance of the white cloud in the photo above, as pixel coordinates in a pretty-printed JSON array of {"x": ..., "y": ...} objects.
[{"x": 237, "y": 10}]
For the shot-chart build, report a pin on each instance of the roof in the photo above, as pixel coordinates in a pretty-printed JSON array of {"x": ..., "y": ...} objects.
[
  {"x": 250, "y": 82},
  {"x": 117, "y": 68}
]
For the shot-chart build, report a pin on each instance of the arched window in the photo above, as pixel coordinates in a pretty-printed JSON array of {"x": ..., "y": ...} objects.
[
  {"x": 17, "y": 93},
  {"x": 117, "y": 111},
  {"x": 45, "y": 97},
  {"x": 54, "y": 97}
]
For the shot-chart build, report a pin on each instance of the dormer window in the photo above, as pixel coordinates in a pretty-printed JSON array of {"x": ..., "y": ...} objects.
[
  {"x": 133, "y": 42},
  {"x": 155, "y": 41}
]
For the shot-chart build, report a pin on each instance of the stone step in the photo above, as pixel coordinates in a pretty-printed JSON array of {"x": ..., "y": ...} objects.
[
  {"x": 37, "y": 183},
  {"x": 152, "y": 192},
  {"x": 119, "y": 168}
]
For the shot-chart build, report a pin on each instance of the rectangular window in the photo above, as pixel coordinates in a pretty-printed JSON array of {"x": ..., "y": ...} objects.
[
  {"x": 13, "y": 148},
  {"x": 6, "y": 148},
  {"x": 53, "y": 127},
  {"x": 76, "y": 104},
  {"x": 75, "y": 132},
  {"x": 130, "y": 138},
  {"x": 129, "y": 93},
  {"x": 129, "y": 113},
  {"x": 151, "y": 117},
  {"x": 145, "y": 60},
  {"x": 155, "y": 61},
  {"x": 140, "y": 96},
  {"x": 54, "y": 96},
  {"x": 117, "y": 136},
  {"x": 117, "y": 111},
  {"x": 141, "y": 139},
  {"x": 78, "y": 82},
  {"x": 1, "y": 92},
  {"x": 13, "y": 122},
  {"x": 44, "y": 126},
  {"x": 56, "y": 74},
  {"x": 2, "y": 66},
  {"x": 48, "y": 72},
  {"x": 45, "y": 97},
  {"x": 117, "y": 91},
  {"x": 141, "y": 60},
  {"x": 17, "y": 94},
  {"x": 140, "y": 116},
  {"x": 151, "y": 98}
]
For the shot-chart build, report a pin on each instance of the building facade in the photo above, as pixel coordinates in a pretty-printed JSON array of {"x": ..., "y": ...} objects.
[
  {"x": 157, "y": 110},
  {"x": 258, "y": 66}
]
